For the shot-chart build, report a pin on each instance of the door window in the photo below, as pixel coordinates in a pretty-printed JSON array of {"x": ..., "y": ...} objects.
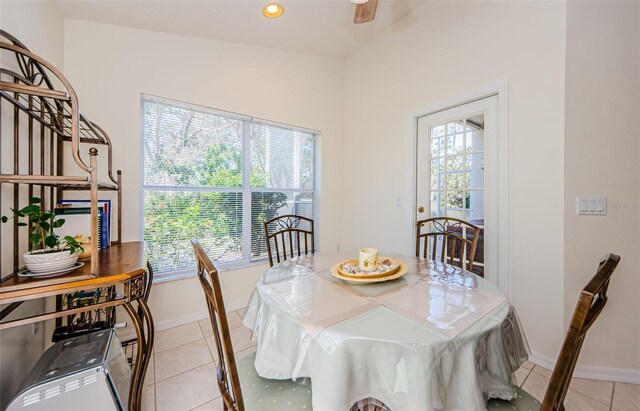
[{"x": 456, "y": 173}]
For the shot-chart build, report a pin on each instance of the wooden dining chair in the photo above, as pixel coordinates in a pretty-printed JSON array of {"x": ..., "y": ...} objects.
[
  {"x": 453, "y": 239},
  {"x": 590, "y": 304},
  {"x": 239, "y": 384},
  {"x": 288, "y": 233}
]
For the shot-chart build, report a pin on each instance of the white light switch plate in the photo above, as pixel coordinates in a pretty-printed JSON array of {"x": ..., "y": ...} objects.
[{"x": 591, "y": 206}]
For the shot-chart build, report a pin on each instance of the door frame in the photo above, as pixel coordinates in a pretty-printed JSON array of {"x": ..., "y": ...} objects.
[{"x": 501, "y": 90}]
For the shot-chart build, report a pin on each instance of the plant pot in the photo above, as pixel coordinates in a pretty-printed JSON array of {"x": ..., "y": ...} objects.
[{"x": 42, "y": 261}]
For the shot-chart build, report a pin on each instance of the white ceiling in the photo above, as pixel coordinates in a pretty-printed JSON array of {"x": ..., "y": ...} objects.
[{"x": 310, "y": 26}]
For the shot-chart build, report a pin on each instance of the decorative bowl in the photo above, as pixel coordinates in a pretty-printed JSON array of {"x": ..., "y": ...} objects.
[{"x": 39, "y": 261}]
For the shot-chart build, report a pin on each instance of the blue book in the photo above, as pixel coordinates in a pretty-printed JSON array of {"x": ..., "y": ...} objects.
[{"x": 102, "y": 229}]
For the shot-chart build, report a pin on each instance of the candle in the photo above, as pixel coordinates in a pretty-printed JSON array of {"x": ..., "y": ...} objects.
[{"x": 368, "y": 260}]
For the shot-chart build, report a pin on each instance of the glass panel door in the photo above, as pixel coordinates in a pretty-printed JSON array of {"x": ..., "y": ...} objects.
[{"x": 457, "y": 173}]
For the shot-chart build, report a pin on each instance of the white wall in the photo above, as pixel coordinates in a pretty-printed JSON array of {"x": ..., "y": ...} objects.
[
  {"x": 110, "y": 66},
  {"x": 40, "y": 26},
  {"x": 602, "y": 145},
  {"x": 440, "y": 51}
]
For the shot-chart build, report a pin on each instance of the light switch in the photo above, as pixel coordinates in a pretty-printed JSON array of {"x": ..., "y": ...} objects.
[{"x": 591, "y": 205}]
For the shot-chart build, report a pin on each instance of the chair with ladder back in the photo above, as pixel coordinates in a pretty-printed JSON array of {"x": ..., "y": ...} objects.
[
  {"x": 454, "y": 240},
  {"x": 590, "y": 304},
  {"x": 291, "y": 235},
  {"x": 240, "y": 385}
]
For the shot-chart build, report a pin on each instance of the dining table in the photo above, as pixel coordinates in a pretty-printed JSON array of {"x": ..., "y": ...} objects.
[{"x": 437, "y": 338}]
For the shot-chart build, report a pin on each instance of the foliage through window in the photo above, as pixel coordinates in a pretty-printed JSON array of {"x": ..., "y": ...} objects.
[{"x": 218, "y": 177}]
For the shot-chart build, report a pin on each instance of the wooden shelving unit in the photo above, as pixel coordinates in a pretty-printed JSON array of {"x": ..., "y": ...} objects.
[{"x": 46, "y": 125}]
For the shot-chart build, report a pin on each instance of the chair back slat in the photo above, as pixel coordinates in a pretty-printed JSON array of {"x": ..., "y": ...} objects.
[
  {"x": 457, "y": 238},
  {"x": 275, "y": 240},
  {"x": 287, "y": 231},
  {"x": 593, "y": 298},
  {"x": 453, "y": 243},
  {"x": 227, "y": 372}
]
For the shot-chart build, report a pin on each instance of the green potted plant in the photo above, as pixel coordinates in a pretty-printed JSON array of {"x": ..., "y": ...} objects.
[{"x": 49, "y": 253}]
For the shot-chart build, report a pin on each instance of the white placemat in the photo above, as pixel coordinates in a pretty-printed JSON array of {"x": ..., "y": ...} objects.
[
  {"x": 442, "y": 305},
  {"x": 316, "y": 302}
]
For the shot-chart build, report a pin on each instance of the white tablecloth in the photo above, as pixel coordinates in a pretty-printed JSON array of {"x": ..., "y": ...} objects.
[{"x": 438, "y": 338}]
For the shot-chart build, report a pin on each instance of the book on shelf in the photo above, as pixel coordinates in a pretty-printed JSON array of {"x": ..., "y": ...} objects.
[
  {"x": 78, "y": 221},
  {"x": 83, "y": 204}
]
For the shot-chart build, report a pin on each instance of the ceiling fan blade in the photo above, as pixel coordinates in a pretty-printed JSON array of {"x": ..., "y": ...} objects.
[{"x": 365, "y": 12}]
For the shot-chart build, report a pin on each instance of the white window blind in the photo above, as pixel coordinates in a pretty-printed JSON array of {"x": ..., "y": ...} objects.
[{"x": 218, "y": 177}]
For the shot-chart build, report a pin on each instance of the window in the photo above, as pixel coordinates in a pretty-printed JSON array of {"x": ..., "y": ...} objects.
[
  {"x": 457, "y": 170},
  {"x": 218, "y": 177}
]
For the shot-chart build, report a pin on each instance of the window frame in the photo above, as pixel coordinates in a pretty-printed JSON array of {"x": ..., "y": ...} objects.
[{"x": 245, "y": 189}]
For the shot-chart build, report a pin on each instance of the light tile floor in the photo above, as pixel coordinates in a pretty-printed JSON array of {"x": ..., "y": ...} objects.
[{"x": 181, "y": 375}]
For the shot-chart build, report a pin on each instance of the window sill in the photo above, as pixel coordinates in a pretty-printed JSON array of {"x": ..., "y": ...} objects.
[{"x": 191, "y": 272}]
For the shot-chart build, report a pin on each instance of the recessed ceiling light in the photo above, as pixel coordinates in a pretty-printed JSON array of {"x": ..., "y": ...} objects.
[{"x": 273, "y": 10}]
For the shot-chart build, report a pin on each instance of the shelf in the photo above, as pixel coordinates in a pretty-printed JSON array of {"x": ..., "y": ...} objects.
[
  {"x": 85, "y": 187},
  {"x": 64, "y": 182},
  {"x": 52, "y": 113},
  {"x": 118, "y": 263},
  {"x": 33, "y": 90},
  {"x": 42, "y": 180}
]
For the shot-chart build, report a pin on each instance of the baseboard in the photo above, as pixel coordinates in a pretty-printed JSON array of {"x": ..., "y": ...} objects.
[
  {"x": 198, "y": 315},
  {"x": 591, "y": 372},
  {"x": 542, "y": 360}
]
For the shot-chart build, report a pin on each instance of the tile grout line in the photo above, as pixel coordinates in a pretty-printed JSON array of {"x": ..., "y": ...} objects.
[
  {"x": 191, "y": 369},
  {"x": 201, "y": 332},
  {"x": 526, "y": 378},
  {"x": 595, "y": 399},
  {"x": 180, "y": 345},
  {"x": 213, "y": 361},
  {"x": 206, "y": 402},
  {"x": 613, "y": 391},
  {"x": 590, "y": 397},
  {"x": 213, "y": 355},
  {"x": 539, "y": 373},
  {"x": 155, "y": 393},
  {"x": 186, "y": 371},
  {"x": 209, "y": 321}
]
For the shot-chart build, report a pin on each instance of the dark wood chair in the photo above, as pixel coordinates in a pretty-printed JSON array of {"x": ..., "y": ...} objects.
[
  {"x": 454, "y": 239},
  {"x": 240, "y": 385},
  {"x": 288, "y": 233},
  {"x": 590, "y": 304}
]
